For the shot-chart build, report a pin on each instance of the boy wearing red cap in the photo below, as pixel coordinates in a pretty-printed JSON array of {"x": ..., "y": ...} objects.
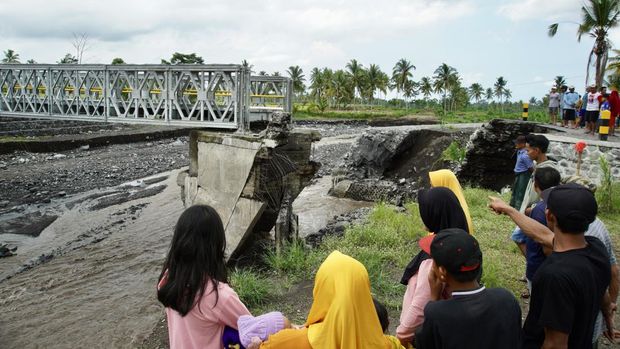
[{"x": 474, "y": 317}]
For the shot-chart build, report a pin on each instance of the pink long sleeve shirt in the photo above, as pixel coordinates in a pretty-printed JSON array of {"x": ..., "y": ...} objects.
[
  {"x": 204, "y": 325},
  {"x": 416, "y": 297}
]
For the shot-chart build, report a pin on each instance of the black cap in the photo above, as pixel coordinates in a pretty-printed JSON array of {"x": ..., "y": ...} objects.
[
  {"x": 572, "y": 204},
  {"x": 456, "y": 251}
]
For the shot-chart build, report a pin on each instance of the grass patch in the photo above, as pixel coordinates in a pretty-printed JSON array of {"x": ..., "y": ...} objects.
[{"x": 252, "y": 287}]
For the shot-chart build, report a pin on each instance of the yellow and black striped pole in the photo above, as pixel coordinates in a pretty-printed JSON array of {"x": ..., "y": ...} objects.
[
  {"x": 525, "y": 111},
  {"x": 603, "y": 130}
]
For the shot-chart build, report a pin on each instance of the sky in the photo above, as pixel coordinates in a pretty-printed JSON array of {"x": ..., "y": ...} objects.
[{"x": 482, "y": 39}]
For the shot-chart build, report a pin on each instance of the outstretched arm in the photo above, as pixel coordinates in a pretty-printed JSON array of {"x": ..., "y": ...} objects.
[{"x": 530, "y": 227}]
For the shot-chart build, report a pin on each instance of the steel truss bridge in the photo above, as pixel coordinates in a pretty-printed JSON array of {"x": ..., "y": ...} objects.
[{"x": 216, "y": 96}]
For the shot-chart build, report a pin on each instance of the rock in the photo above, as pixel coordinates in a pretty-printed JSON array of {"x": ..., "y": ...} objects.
[
  {"x": 4, "y": 203},
  {"x": 85, "y": 147},
  {"x": 61, "y": 194},
  {"x": 402, "y": 181}
]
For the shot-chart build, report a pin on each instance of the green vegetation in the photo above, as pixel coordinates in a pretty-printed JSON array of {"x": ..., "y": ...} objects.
[
  {"x": 605, "y": 191},
  {"x": 454, "y": 153}
]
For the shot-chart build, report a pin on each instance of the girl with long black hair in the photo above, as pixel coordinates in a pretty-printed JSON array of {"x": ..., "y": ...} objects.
[{"x": 193, "y": 282}]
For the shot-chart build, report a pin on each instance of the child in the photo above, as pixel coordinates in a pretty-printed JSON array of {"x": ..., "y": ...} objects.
[
  {"x": 193, "y": 282},
  {"x": 524, "y": 167},
  {"x": 384, "y": 319},
  {"x": 474, "y": 317}
]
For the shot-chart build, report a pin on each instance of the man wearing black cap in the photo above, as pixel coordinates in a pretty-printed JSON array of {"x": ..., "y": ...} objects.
[
  {"x": 570, "y": 286},
  {"x": 474, "y": 317}
]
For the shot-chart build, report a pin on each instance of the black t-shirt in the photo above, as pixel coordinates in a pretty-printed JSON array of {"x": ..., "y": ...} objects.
[
  {"x": 567, "y": 292},
  {"x": 477, "y": 319}
]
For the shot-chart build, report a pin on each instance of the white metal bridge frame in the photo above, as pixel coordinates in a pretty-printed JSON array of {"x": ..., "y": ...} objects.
[{"x": 216, "y": 96}]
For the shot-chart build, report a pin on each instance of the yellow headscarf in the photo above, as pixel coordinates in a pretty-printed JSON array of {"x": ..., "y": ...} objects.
[
  {"x": 343, "y": 314},
  {"x": 445, "y": 178}
]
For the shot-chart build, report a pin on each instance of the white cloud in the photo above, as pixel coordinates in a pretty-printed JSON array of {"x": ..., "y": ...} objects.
[
  {"x": 271, "y": 34},
  {"x": 521, "y": 10}
]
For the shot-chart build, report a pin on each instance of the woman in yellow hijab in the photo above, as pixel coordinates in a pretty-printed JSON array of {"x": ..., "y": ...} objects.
[
  {"x": 342, "y": 315},
  {"x": 446, "y": 178}
]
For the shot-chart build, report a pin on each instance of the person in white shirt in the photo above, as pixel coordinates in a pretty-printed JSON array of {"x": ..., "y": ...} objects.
[{"x": 592, "y": 109}]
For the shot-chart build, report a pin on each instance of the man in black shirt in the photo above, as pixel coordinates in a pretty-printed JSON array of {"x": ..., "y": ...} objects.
[
  {"x": 570, "y": 286},
  {"x": 475, "y": 317}
]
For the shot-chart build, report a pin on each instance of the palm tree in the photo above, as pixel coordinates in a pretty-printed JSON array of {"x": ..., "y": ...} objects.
[
  {"x": 10, "y": 56},
  {"x": 444, "y": 75},
  {"x": 488, "y": 94},
  {"x": 297, "y": 76},
  {"x": 500, "y": 89},
  {"x": 31, "y": 61},
  {"x": 533, "y": 101},
  {"x": 374, "y": 81},
  {"x": 559, "y": 81},
  {"x": 409, "y": 91},
  {"x": 276, "y": 73},
  {"x": 341, "y": 88},
  {"x": 262, "y": 73},
  {"x": 476, "y": 91},
  {"x": 401, "y": 73},
  {"x": 356, "y": 70},
  {"x": 426, "y": 88},
  {"x": 598, "y": 17},
  {"x": 615, "y": 62}
]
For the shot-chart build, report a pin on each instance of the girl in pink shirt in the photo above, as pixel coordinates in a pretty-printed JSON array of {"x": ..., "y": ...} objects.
[
  {"x": 439, "y": 209},
  {"x": 193, "y": 282}
]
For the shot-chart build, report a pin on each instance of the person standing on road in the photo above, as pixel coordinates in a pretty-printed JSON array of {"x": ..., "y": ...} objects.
[
  {"x": 569, "y": 102},
  {"x": 592, "y": 109},
  {"x": 554, "y": 105}
]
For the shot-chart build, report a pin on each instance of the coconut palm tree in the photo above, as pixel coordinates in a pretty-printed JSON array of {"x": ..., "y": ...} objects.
[
  {"x": 559, "y": 81},
  {"x": 614, "y": 62},
  {"x": 598, "y": 18},
  {"x": 401, "y": 73},
  {"x": 476, "y": 91},
  {"x": 410, "y": 91},
  {"x": 317, "y": 84},
  {"x": 426, "y": 88},
  {"x": 31, "y": 61},
  {"x": 444, "y": 75},
  {"x": 488, "y": 94},
  {"x": 10, "y": 56},
  {"x": 341, "y": 88},
  {"x": 356, "y": 70},
  {"x": 375, "y": 81},
  {"x": 297, "y": 76},
  {"x": 500, "y": 89}
]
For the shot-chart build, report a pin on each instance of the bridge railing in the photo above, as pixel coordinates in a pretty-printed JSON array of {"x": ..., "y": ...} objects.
[{"x": 220, "y": 96}]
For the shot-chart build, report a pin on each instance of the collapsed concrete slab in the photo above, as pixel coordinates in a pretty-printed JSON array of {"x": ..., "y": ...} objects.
[
  {"x": 391, "y": 163},
  {"x": 250, "y": 180}
]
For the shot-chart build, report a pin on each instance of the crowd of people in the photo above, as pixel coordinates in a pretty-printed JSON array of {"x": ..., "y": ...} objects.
[
  {"x": 576, "y": 111},
  {"x": 570, "y": 268}
]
